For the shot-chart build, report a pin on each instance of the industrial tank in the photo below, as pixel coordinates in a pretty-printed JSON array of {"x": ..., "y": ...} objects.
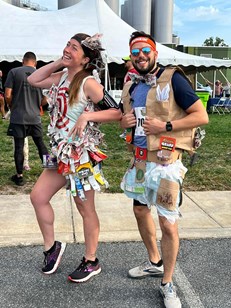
[
  {"x": 163, "y": 20},
  {"x": 141, "y": 15},
  {"x": 114, "y": 5},
  {"x": 62, "y": 4}
]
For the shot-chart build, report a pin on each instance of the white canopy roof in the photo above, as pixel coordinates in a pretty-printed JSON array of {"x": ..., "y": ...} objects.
[{"x": 46, "y": 33}]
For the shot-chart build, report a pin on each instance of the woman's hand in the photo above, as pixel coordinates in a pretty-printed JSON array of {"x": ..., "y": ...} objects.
[
  {"x": 128, "y": 120},
  {"x": 78, "y": 128}
]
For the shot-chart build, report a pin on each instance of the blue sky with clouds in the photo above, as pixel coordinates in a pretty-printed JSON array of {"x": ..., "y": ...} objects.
[{"x": 193, "y": 21}]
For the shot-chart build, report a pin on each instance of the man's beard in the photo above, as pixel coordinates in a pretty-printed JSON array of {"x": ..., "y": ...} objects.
[{"x": 150, "y": 68}]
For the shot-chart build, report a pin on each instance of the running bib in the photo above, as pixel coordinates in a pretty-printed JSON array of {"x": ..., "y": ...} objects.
[{"x": 140, "y": 113}]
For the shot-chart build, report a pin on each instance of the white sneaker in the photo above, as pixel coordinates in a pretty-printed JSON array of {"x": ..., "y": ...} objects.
[
  {"x": 146, "y": 269},
  {"x": 171, "y": 300}
]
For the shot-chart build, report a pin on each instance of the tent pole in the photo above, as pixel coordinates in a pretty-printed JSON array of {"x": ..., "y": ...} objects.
[
  {"x": 105, "y": 72},
  {"x": 105, "y": 77},
  {"x": 214, "y": 80}
]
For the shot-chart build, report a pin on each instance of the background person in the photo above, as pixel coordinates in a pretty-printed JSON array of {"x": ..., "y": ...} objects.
[
  {"x": 130, "y": 69},
  {"x": 76, "y": 93},
  {"x": 160, "y": 108},
  {"x": 218, "y": 88},
  {"x": 24, "y": 102},
  {"x": 2, "y": 101},
  {"x": 226, "y": 89}
]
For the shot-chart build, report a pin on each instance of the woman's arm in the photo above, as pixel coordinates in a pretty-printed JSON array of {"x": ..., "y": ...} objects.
[
  {"x": 95, "y": 92},
  {"x": 44, "y": 77}
]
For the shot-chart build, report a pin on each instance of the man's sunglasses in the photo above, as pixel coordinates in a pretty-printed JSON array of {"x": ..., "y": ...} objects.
[{"x": 136, "y": 51}]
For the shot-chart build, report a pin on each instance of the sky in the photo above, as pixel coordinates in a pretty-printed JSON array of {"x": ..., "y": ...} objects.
[
  {"x": 193, "y": 20},
  {"x": 50, "y": 5}
]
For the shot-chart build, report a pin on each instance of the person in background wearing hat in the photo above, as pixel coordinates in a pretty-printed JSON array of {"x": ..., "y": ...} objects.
[
  {"x": 130, "y": 69},
  {"x": 160, "y": 111}
]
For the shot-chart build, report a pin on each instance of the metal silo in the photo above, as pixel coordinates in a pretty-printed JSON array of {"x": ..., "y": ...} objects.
[
  {"x": 129, "y": 10},
  {"x": 62, "y": 4},
  {"x": 126, "y": 12},
  {"x": 114, "y": 5},
  {"x": 123, "y": 13},
  {"x": 163, "y": 21},
  {"x": 141, "y": 15},
  {"x": 175, "y": 39}
]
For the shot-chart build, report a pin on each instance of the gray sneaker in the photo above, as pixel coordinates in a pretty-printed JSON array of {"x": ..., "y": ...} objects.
[
  {"x": 171, "y": 300},
  {"x": 146, "y": 269}
]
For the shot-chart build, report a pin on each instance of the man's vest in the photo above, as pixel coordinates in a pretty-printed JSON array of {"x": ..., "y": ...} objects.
[{"x": 164, "y": 110}]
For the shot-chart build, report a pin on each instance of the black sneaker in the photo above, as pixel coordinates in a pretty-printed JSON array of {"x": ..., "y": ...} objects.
[
  {"x": 85, "y": 270},
  {"x": 17, "y": 180},
  {"x": 53, "y": 257}
]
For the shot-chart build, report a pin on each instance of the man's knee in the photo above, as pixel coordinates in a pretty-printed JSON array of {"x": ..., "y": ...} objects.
[
  {"x": 168, "y": 228},
  {"x": 141, "y": 211}
]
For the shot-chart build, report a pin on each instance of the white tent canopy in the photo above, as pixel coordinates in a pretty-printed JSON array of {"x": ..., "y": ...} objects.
[{"x": 46, "y": 33}]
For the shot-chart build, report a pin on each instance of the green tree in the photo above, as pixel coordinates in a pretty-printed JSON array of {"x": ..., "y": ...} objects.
[{"x": 214, "y": 42}]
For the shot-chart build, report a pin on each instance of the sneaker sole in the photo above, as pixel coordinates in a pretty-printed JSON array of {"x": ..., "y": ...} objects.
[
  {"x": 146, "y": 275},
  {"x": 178, "y": 303},
  {"x": 86, "y": 278},
  {"x": 63, "y": 247}
]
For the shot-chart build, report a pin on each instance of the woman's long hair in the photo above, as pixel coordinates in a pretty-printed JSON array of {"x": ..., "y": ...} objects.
[{"x": 77, "y": 80}]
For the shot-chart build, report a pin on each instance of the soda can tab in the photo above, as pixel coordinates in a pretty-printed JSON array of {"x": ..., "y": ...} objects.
[
  {"x": 79, "y": 188},
  {"x": 83, "y": 169},
  {"x": 93, "y": 183},
  {"x": 73, "y": 187},
  {"x": 50, "y": 161}
]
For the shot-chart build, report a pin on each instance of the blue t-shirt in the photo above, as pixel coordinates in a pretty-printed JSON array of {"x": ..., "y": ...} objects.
[{"x": 183, "y": 93}]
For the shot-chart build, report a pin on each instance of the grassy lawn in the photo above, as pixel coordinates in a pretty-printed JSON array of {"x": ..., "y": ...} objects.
[{"x": 211, "y": 172}]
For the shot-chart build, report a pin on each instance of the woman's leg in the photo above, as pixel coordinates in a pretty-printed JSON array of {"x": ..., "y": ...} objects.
[
  {"x": 90, "y": 224},
  {"x": 46, "y": 186}
]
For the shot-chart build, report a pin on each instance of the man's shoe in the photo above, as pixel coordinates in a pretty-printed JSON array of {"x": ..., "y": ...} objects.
[
  {"x": 147, "y": 269},
  {"x": 17, "y": 180},
  {"x": 85, "y": 270},
  {"x": 171, "y": 300},
  {"x": 53, "y": 257}
]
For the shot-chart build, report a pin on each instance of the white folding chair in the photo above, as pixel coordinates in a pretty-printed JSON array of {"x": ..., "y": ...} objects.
[
  {"x": 227, "y": 107},
  {"x": 219, "y": 107}
]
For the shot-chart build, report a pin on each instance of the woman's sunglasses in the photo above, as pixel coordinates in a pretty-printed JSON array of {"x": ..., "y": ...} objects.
[{"x": 136, "y": 51}]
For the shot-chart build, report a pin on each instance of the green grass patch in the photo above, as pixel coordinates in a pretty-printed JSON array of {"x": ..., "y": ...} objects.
[{"x": 211, "y": 172}]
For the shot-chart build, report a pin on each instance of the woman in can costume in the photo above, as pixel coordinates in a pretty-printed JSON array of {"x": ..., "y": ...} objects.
[{"x": 77, "y": 104}]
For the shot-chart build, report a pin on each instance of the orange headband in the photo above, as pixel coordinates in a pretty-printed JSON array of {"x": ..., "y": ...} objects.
[{"x": 143, "y": 40}]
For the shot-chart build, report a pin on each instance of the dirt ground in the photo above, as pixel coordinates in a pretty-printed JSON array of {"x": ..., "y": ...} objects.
[{"x": 16, "y": 190}]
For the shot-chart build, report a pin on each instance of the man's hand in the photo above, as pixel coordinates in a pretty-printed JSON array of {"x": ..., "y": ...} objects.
[
  {"x": 128, "y": 120},
  {"x": 153, "y": 126}
]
